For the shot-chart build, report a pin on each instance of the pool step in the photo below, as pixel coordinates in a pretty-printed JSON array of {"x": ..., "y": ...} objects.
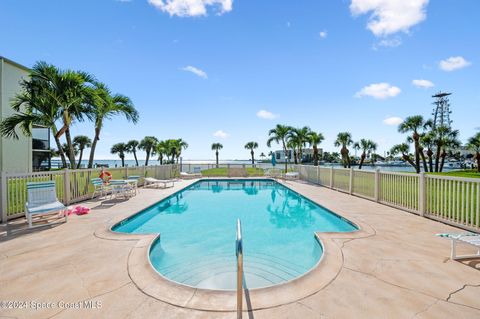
[{"x": 219, "y": 272}]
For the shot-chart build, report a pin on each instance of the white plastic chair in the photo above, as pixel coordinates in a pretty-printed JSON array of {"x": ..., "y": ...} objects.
[{"x": 42, "y": 199}]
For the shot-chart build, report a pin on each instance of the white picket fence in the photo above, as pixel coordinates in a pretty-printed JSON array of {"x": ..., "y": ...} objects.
[
  {"x": 72, "y": 185},
  {"x": 452, "y": 200}
]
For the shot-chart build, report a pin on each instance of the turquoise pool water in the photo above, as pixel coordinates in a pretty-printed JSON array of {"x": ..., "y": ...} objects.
[{"x": 197, "y": 227}]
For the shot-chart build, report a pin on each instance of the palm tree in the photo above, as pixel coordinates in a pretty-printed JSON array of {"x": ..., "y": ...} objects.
[
  {"x": 251, "y": 146},
  {"x": 216, "y": 147},
  {"x": 428, "y": 140},
  {"x": 300, "y": 136},
  {"x": 40, "y": 107},
  {"x": 474, "y": 145},
  {"x": 82, "y": 142},
  {"x": 161, "y": 150},
  {"x": 450, "y": 141},
  {"x": 120, "y": 149},
  {"x": 404, "y": 150},
  {"x": 178, "y": 145},
  {"x": 148, "y": 144},
  {"x": 262, "y": 156},
  {"x": 279, "y": 134},
  {"x": 132, "y": 148},
  {"x": 293, "y": 144},
  {"x": 367, "y": 147},
  {"x": 413, "y": 124},
  {"x": 314, "y": 139},
  {"x": 344, "y": 139},
  {"x": 104, "y": 106}
]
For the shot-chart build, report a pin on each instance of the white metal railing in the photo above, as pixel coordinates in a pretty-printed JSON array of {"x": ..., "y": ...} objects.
[
  {"x": 71, "y": 185},
  {"x": 452, "y": 200},
  {"x": 239, "y": 254}
]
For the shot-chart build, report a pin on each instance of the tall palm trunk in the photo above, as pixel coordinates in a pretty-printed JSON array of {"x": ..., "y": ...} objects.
[
  {"x": 417, "y": 152},
  {"x": 216, "y": 158},
  {"x": 442, "y": 162},
  {"x": 437, "y": 157},
  {"x": 315, "y": 155},
  {"x": 123, "y": 161},
  {"x": 253, "y": 157},
  {"x": 362, "y": 159},
  {"x": 59, "y": 147},
  {"x": 430, "y": 159},
  {"x": 408, "y": 159},
  {"x": 295, "y": 156},
  {"x": 424, "y": 161},
  {"x": 94, "y": 145},
  {"x": 135, "y": 156},
  {"x": 80, "y": 158},
  {"x": 160, "y": 158},
  {"x": 71, "y": 154},
  {"x": 147, "y": 157},
  {"x": 285, "y": 152}
]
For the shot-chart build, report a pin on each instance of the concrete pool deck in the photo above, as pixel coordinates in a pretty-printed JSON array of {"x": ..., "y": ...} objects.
[{"x": 399, "y": 269}]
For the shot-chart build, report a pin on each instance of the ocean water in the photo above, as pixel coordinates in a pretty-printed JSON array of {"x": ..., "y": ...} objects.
[{"x": 198, "y": 231}]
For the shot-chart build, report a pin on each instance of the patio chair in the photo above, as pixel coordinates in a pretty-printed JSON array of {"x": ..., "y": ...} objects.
[
  {"x": 42, "y": 199},
  {"x": 135, "y": 178},
  {"x": 150, "y": 181},
  {"x": 466, "y": 238},
  {"x": 99, "y": 187},
  {"x": 121, "y": 188}
]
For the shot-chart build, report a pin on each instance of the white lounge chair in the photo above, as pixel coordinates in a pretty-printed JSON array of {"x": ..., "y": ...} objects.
[
  {"x": 292, "y": 175},
  {"x": 186, "y": 175},
  {"x": 42, "y": 199},
  {"x": 467, "y": 238},
  {"x": 150, "y": 181}
]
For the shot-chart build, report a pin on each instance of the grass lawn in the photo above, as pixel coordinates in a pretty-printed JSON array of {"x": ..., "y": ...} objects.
[
  {"x": 223, "y": 172},
  {"x": 466, "y": 173}
]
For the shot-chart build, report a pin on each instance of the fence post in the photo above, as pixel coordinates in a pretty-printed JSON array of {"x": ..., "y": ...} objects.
[
  {"x": 66, "y": 186},
  {"x": 126, "y": 172},
  {"x": 3, "y": 199},
  {"x": 421, "y": 194},
  {"x": 350, "y": 187},
  {"x": 376, "y": 193},
  {"x": 331, "y": 177}
]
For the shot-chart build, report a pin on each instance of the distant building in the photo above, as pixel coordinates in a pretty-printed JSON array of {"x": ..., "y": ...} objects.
[
  {"x": 307, "y": 155},
  {"x": 27, "y": 153}
]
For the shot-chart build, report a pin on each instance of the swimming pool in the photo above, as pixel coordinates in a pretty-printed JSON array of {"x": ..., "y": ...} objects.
[{"x": 197, "y": 227}]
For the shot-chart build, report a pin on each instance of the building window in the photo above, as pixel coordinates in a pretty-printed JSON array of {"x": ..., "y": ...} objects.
[{"x": 41, "y": 154}]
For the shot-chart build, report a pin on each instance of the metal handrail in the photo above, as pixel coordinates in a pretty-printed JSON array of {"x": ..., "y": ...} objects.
[{"x": 239, "y": 253}]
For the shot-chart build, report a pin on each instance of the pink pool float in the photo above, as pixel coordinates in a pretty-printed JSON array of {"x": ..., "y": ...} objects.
[{"x": 78, "y": 210}]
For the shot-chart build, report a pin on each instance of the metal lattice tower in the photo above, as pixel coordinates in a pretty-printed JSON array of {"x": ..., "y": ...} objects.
[{"x": 441, "y": 112}]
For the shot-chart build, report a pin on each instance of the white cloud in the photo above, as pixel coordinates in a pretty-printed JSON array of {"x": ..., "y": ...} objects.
[
  {"x": 264, "y": 114},
  {"x": 191, "y": 8},
  {"x": 424, "y": 84},
  {"x": 393, "y": 121},
  {"x": 388, "y": 43},
  {"x": 323, "y": 34},
  {"x": 390, "y": 16},
  {"x": 195, "y": 71},
  {"x": 221, "y": 134},
  {"x": 453, "y": 63},
  {"x": 379, "y": 91}
]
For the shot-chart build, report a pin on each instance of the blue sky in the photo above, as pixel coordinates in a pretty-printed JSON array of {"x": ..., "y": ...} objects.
[{"x": 203, "y": 70}]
